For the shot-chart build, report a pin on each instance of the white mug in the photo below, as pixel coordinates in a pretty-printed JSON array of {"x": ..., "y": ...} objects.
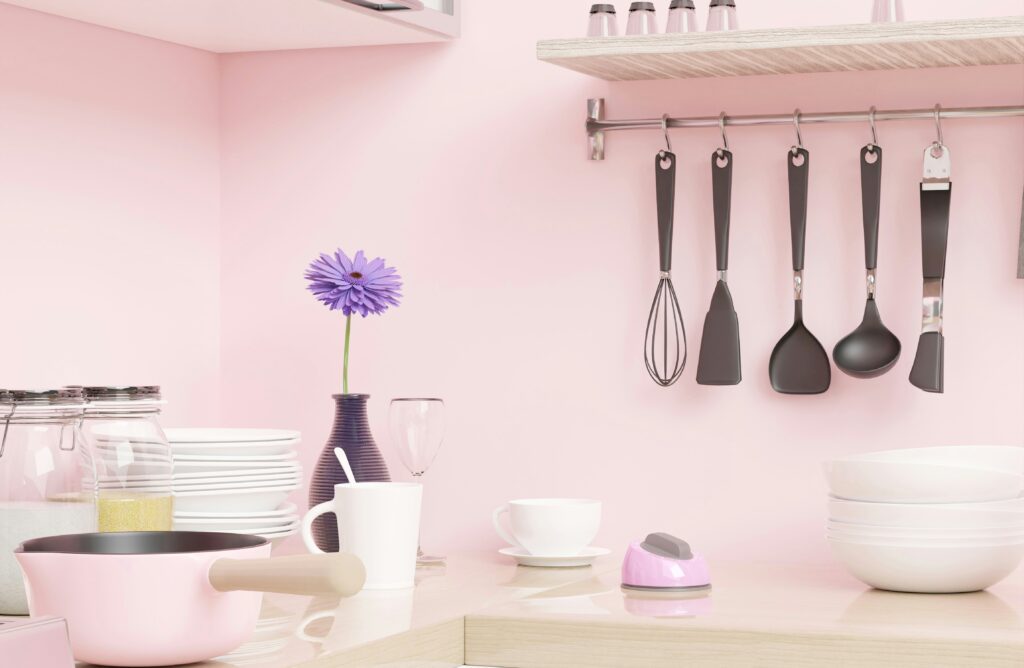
[
  {"x": 550, "y": 527},
  {"x": 379, "y": 522}
]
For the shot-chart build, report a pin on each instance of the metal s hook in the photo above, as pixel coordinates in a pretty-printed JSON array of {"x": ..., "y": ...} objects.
[
  {"x": 796, "y": 124},
  {"x": 664, "y": 129},
  {"x": 938, "y": 146},
  {"x": 874, "y": 134},
  {"x": 725, "y": 140}
]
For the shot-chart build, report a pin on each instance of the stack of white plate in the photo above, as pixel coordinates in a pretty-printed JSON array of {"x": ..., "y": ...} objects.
[
  {"x": 929, "y": 520},
  {"x": 235, "y": 480}
]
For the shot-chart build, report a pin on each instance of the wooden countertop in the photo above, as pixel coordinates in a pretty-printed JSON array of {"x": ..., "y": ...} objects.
[{"x": 484, "y": 610}]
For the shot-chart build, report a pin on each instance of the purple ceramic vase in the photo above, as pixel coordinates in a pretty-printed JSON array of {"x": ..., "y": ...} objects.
[{"x": 351, "y": 433}]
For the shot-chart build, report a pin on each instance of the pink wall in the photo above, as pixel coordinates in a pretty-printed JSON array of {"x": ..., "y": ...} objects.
[
  {"x": 530, "y": 271},
  {"x": 109, "y": 207}
]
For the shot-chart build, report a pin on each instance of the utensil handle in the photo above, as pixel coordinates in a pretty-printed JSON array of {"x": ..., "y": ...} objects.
[
  {"x": 799, "y": 163},
  {"x": 871, "y": 200},
  {"x": 307, "y": 524},
  {"x": 496, "y": 518},
  {"x": 337, "y": 573},
  {"x": 301, "y": 633},
  {"x": 934, "y": 230},
  {"x": 665, "y": 185},
  {"x": 721, "y": 190}
]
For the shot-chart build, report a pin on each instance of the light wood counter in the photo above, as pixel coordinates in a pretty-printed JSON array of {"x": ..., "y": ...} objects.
[{"x": 484, "y": 610}]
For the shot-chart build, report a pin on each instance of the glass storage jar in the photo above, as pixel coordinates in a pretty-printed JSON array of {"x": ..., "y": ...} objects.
[
  {"x": 132, "y": 457},
  {"x": 46, "y": 478}
]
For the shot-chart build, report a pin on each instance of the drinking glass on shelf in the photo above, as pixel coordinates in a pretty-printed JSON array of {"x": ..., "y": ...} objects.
[{"x": 417, "y": 430}]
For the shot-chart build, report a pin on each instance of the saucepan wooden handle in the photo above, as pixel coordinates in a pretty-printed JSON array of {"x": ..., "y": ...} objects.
[{"x": 308, "y": 574}]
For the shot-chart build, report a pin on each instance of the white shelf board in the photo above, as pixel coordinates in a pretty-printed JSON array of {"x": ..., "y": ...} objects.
[
  {"x": 856, "y": 47},
  {"x": 228, "y": 26}
]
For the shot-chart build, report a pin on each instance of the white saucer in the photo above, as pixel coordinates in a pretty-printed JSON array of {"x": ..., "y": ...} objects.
[{"x": 584, "y": 558}]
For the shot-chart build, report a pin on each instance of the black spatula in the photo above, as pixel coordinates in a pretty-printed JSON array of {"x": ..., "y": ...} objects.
[
  {"x": 719, "y": 362},
  {"x": 799, "y": 364}
]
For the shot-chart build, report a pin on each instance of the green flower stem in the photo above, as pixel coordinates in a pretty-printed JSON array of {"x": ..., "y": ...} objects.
[{"x": 344, "y": 373}]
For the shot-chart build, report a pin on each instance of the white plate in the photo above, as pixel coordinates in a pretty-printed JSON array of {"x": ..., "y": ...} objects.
[
  {"x": 186, "y": 468},
  {"x": 584, "y": 558},
  {"x": 182, "y": 525},
  {"x": 231, "y": 483},
  {"x": 256, "y": 500},
  {"x": 223, "y": 435},
  {"x": 235, "y": 459},
  {"x": 246, "y": 448},
  {"x": 185, "y": 476},
  {"x": 286, "y": 509},
  {"x": 196, "y": 524}
]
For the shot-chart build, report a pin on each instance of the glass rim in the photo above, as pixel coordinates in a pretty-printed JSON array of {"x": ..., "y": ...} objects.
[{"x": 417, "y": 399}]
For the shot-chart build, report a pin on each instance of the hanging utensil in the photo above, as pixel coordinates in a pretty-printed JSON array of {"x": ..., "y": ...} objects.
[
  {"x": 799, "y": 364},
  {"x": 871, "y": 349},
  {"x": 936, "y": 192},
  {"x": 1020, "y": 244},
  {"x": 719, "y": 360},
  {"x": 665, "y": 339}
]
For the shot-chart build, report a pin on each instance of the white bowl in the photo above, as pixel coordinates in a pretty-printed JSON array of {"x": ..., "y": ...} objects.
[
  {"x": 928, "y": 569},
  {"x": 906, "y": 533},
  {"x": 1009, "y": 458},
  {"x": 985, "y": 515},
  {"x": 912, "y": 482}
]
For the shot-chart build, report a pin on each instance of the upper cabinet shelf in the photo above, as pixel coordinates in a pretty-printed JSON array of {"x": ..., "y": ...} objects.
[
  {"x": 856, "y": 47},
  {"x": 228, "y": 26}
]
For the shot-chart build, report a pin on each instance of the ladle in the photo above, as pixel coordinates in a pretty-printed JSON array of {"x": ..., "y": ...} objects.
[{"x": 871, "y": 349}]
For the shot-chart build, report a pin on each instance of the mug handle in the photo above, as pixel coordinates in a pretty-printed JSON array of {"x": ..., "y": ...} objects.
[
  {"x": 506, "y": 536},
  {"x": 307, "y": 524},
  {"x": 308, "y": 621}
]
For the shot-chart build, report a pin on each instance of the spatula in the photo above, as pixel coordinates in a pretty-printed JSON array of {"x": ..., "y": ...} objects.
[
  {"x": 936, "y": 192},
  {"x": 719, "y": 361},
  {"x": 799, "y": 364}
]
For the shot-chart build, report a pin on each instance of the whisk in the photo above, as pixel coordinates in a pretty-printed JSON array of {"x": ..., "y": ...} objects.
[{"x": 665, "y": 340}]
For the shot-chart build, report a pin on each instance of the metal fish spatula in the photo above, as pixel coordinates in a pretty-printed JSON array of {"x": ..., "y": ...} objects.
[{"x": 936, "y": 191}]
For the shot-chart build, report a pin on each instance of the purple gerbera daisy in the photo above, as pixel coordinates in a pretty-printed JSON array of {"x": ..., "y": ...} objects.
[{"x": 354, "y": 286}]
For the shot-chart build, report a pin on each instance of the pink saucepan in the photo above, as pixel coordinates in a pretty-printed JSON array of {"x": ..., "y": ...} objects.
[{"x": 156, "y": 598}]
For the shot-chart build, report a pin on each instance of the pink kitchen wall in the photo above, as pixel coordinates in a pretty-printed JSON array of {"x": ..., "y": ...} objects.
[
  {"x": 529, "y": 272},
  {"x": 109, "y": 211}
]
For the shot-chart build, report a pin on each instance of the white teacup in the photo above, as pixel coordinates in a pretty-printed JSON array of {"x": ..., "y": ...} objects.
[
  {"x": 550, "y": 527},
  {"x": 379, "y": 522}
]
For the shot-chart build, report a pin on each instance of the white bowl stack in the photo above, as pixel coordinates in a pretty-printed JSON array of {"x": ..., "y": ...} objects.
[
  {"x": 235, "y": 480},
  {"x": 929, "y": 520}
]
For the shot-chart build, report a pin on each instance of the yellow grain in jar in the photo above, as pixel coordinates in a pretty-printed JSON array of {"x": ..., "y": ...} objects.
[{"x": 124, "y": 511}]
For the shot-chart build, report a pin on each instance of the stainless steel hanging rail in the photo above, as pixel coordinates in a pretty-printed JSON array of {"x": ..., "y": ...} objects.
[{"x": 598, "y": 125}]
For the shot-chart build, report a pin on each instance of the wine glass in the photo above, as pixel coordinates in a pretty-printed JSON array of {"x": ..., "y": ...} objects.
[{"x": 417, "y": 430}]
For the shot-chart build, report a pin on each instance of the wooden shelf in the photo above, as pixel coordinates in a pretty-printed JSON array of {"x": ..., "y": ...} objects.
[{"x": 855, "y": 47}]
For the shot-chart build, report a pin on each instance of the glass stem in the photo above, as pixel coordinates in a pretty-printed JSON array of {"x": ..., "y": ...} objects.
[
  {"x": 419, "y": 534},
  {"x": 344, "y": 371}
]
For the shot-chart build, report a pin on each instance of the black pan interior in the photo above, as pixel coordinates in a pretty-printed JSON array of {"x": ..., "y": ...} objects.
[{"x": 141, "y": 542}]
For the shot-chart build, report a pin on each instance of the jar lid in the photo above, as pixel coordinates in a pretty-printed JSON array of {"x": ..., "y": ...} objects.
[
  {"x": 642, "y": 7},
  {"x": 65, "y": 396},
  {"x": 602, "y": 9},
  {"x": 723, "y": 3},
  {"x": 122, "y": 393},
  {"x": 681, "y": 4}
]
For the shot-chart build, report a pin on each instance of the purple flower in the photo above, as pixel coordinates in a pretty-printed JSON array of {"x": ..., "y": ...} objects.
[{"x": 354, "y": 286}]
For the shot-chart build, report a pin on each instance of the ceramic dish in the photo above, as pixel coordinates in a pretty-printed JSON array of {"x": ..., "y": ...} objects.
[
  {"x": 928, "y": 569},
  {"x": 255, "y": 500},
  {"x": 241, "y": 448},
  {"x": 219, "y": 483},
  {"x": 1007, "y": 458},
  {"x": 911, "y": 482},
  {"x": 196, "y": 524},
  {"x": 922, "y": 516},
  {"x": 265, "y": 531},
  {"x": 198, "y": 435},
  {"x": 238, "y": 459},
  {"x": 190, "y": 468},
  {"x": 585, "y": 558},
  {"x": 286, "y": 509},
  {"x": 909, "y": 532}
]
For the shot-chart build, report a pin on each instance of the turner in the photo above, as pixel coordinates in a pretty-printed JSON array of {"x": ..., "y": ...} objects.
[
  {"x": 799, "y": 365},
  {"x": 719, "y": 361}
]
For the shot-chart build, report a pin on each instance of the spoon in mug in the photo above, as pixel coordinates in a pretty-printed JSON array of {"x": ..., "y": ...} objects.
[
  {"x": 871, "y": 349},
  {"x": 345, "y": 466}
]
